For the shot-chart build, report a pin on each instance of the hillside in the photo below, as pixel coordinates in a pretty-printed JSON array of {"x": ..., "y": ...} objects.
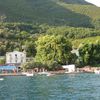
[{"x": 53, "y": 12}]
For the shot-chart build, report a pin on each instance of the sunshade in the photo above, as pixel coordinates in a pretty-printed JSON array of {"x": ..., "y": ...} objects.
[{"x": 7, "y": 67}]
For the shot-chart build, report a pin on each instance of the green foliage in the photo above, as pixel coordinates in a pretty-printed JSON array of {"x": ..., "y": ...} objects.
[
  {"x": 49, "y": 48},
  {"x": 54, "y": 66},
  {"x": 52, "y": 48},
  {"x": 60, "y": 19},
  {"x": 16, "y": 35},
  {"x": 2, "y": 61},
  {"x": 77, "y": 42},
  {"x": 53, "y": 12},
  {"x": 72, "y": 32},
  {"x": 91, "y": 11},
  {"x": 30, "y": 48},
  {"x": 2, "y": 49},
  {"x": 90, "y": 53},
  {"x": 32, "y": 65}
]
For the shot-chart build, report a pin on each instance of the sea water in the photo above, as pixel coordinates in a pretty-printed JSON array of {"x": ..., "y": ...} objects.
[{"x": 58, "y": 87}]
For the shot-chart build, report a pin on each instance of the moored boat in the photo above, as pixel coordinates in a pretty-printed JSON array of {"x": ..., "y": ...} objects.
[
  {"x": 97, "y": 71},
  {"x": 49, "y": 74},
  {"x": 29, "y": 74},
  {"x": 1, "y": 79}
]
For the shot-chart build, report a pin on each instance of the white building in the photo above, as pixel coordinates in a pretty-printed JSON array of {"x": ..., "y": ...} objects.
[
  {"x": 15, "y": 57},
  {"x": 69, "y": 68}
]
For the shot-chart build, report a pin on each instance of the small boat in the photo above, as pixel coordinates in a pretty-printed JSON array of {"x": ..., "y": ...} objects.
[
  {"x": 45, "y": 73},
  {"x": 1, "y": 79},
  {"x": 97, "y": 71},
  {"x": 29, "y": 74},
  {"x": 49, "y": 74}
]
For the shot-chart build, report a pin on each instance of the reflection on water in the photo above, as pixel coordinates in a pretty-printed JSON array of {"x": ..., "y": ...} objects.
[{"x": 58, "y": 87}]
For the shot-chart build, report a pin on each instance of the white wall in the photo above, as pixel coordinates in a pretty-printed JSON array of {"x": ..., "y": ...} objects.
[
  {"x": 69, "y": 68},
  {"x": 15, "y": 57}
]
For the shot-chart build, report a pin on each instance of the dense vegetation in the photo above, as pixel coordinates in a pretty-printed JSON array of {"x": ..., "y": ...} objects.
[
  {"x": 89, "y": 53},
  {"x": 31, "y": 37},
  {"x": 53, "y": 48},
  {"x": 77, "y": 13},
  {"x": 52, "y": 52},
  {"x": 87, "y": 40},
  {"x": 36, "y": 26},
  {"x": 19, "y": 36}
]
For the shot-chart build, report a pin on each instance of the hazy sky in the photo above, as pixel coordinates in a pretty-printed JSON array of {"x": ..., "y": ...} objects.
[{"x": 95, "y": 2}]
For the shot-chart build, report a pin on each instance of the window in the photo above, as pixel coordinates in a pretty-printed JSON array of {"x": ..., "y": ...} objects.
[
  {"x": 22, "y": 59},
  {"x": 16, "y": 55},
  {"x": 15, "y": 58},
  {"x": 10, "y": 58}
]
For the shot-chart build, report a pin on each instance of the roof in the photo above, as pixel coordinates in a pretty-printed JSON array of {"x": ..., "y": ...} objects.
[
  {"x": 8, "y": 67},
  {"x": 16, "y": 52},
  {"x": 68, "y": 66}
]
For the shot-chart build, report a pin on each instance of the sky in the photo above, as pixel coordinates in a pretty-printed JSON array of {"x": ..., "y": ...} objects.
[{"x": 95, "y": 2}]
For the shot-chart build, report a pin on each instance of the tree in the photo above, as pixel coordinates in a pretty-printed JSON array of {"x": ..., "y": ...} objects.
[
  {"x": 90, "y": 53},
  {"x": 2, "y": 49},
  {"x": 2, "y": 61},
  {"x": 52, "y": 48},
  {"x": 30, "y": 48},
  {"x": 2, "y": 18},
  {"x": 85, "y": 52},
  {"x": 32, "y": 65}
]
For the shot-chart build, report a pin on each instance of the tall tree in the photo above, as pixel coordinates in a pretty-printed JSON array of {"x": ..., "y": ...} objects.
[
  {"x": 90, "y": 53},
  {"x": 51, "y": 48}
]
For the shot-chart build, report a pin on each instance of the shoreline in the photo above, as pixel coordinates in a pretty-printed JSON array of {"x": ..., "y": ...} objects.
[
  {"x": 12, "y": 74},
  {"x": 86, "y": 69},
  {"x": 51, "y": 72}
]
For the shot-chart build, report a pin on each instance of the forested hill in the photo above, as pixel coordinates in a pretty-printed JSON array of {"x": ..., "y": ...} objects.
[{"x": 77, "y": 13}]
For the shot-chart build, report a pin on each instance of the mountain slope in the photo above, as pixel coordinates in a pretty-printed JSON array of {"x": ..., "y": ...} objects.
[{"x": 53, "y": 12}]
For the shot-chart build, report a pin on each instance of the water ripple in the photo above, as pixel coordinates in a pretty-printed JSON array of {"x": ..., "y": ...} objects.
[{"x": 58, "y": 87}]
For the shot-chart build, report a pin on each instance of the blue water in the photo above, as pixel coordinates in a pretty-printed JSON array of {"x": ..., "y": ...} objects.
[{"x": 58, "y": 87}]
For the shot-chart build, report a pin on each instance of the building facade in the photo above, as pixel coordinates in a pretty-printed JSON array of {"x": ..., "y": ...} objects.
[
  {"x": 69, "y": 68},
  {"x": 15, "y": 57}
]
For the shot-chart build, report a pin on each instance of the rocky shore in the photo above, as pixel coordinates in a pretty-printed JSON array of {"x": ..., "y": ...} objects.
[{"x": 88, "y": 69}]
